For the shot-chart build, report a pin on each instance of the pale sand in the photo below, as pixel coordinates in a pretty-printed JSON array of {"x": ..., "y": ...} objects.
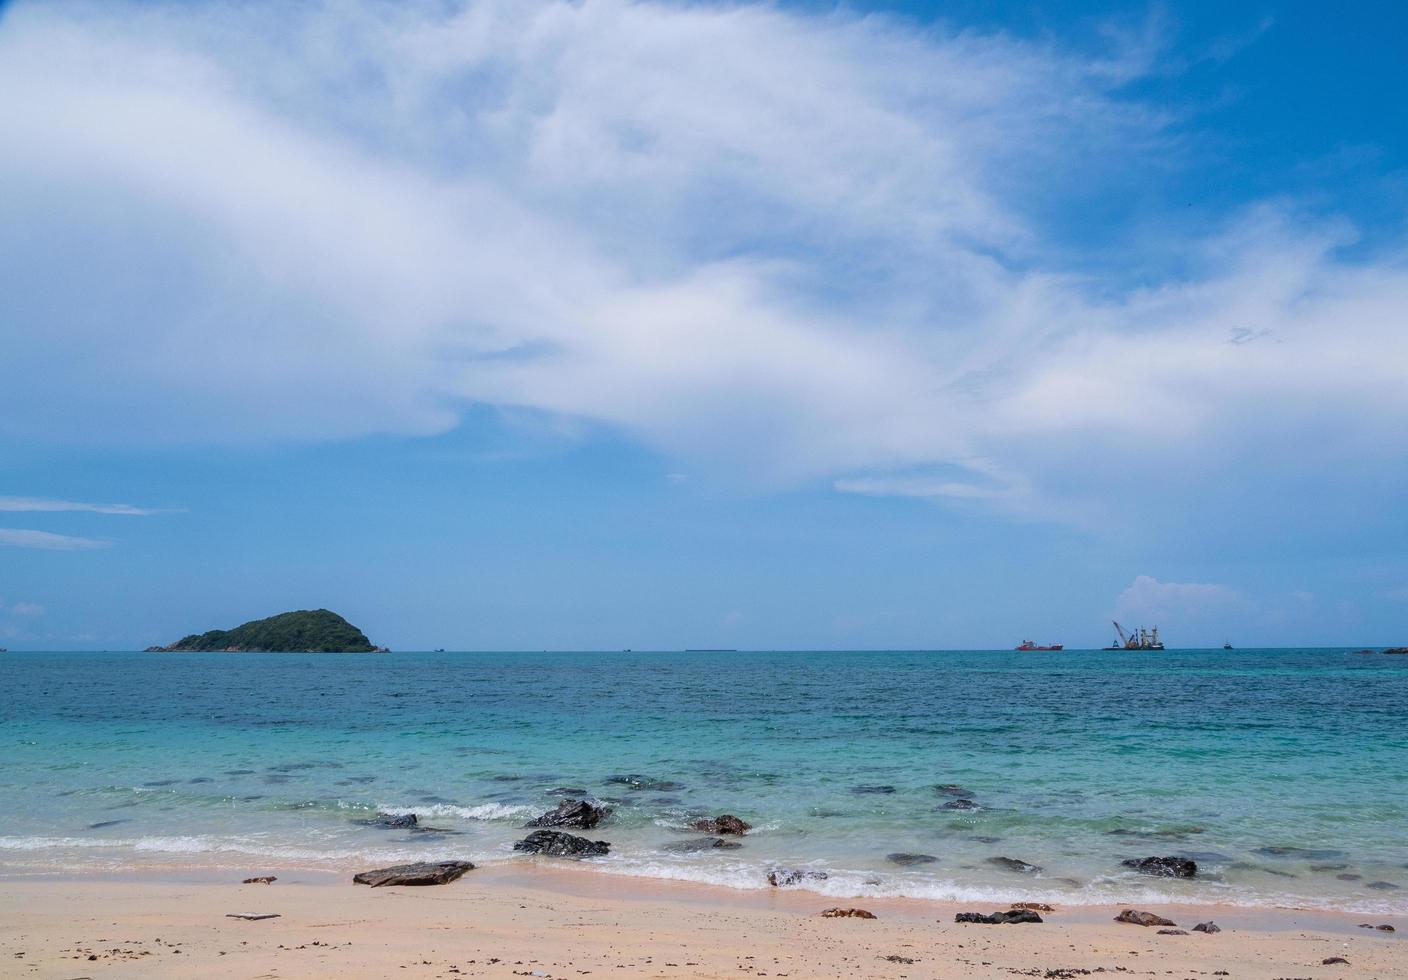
[{"x": 539, "y": 921}]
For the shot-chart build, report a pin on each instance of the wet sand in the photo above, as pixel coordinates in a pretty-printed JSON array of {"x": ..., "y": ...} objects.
[{"x": 553, "y": 921}]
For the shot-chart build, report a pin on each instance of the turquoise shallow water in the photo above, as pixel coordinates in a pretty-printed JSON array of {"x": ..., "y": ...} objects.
[{"x": 1282, "y": 773}]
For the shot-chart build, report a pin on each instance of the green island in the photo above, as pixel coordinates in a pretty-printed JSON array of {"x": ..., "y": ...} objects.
[{"x": 302, "y": 631}]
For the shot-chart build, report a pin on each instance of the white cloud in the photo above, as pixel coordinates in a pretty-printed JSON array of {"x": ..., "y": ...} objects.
[
  {"x": 26, "y": 609},
  {"x": 777, "y": 245},
  {"x": 1150, "y": 601},
  {"x": 44, "y": 541},
  {"x": 36, "y": 505}
]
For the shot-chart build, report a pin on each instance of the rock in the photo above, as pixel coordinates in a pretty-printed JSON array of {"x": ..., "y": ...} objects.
[
  {"x": 1010, "y": 917},
  {"x": 960, "y": 805},
  {"x": 1034, "y": 906},
  {"x": 1349, "y": 876},
  {"x": 1163, "y": 867},
  {"x": 567, "y": 791},
  {"x": 421, "y": 873},
  {"x": 390, "y": 821},
  {"x": 1143, "y": 918},
  {"x": 263, "y": 880},
  {"x": 872, "y": 790},
  {"x": 1173, "y": 932},
  {"x": 953, "y": 789},
  {"x": 1382, "y": 928},
  {"x": 783, "y": 877},
  {"x": 904, "y": 859},
  {"x": 724, "y": 823},
  {"x": 557, "y": 844},
  {"x": 700, "y": 844},
  {"x": 847, "y": 914},
  {"x": 1208, "y": 927},
  {"x": 251, "y": 916},
  {"x": 1332, "y": 960},
  {"x": 1012, "y": 864},
  {"x": 1382, "y": 886},
  {"x": 637, "y": 781},
  {"x": 1397, "y": 651},
  {"x": 571, "y": 813}
]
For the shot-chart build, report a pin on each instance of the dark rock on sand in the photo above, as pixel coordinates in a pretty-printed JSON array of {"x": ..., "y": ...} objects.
[
  {"x": 1010, "y": 917},
  {"x": 872, "y": 790},
  {"x": 1143, "y": 918},
  {"x": 571, "y": 813},
  {"x": 422, "y": 873},
  {"x": 960, "y": 805},
  {"x": 557, "y": 844},
  {"x": 390, "y": 821},
  {"x": 637, "y": 781},
  {"x": 1163, "y": 867},
  {"x": 847, "y": 914},
  {"x": 1012, "y": 864},
  {"x": 782, "y": 877},
  {"x": 953, "y": 789},
  {"x": 983, "y": 839},
  {"x": 261, "y": 880},
  {"x": 904, "y": 859},
  {"x": 1173, "y": 932},
  {"x": 1332, "y": 960},
  {"x": 724, "y": 823},
  {"x": 700, "y": 844},
  {"x": 1208, "y": 927},
  {"x": 1382, "y": 886}
]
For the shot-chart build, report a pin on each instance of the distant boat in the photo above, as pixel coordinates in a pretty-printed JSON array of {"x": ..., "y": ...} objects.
[
  {"x": 1227, "y": 646},
  {"x": 1027, "y": 646},
  {"x": 1139, "y": 639}
]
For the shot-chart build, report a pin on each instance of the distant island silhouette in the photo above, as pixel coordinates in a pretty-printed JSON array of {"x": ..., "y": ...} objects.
[{"x": 301, "y": 631}]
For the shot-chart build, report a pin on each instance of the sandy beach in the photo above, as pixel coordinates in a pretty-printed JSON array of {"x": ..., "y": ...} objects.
[{"x": 560, "y": 922}]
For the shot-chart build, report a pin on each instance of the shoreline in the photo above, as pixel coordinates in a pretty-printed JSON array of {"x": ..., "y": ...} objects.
[{"x": 562, "y": 921}]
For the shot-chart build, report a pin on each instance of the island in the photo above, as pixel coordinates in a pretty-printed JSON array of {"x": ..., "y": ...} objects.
[{"x": 302, "y": 631}]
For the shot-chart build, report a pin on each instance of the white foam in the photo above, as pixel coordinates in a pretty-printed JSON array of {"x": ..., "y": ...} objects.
[{"x": 484, "y": 811}]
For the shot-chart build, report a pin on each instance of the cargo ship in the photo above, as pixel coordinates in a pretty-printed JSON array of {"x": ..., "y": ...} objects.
[
  {"x": 1137, "y": 639},
  {"x": 1028, "y": 645}
]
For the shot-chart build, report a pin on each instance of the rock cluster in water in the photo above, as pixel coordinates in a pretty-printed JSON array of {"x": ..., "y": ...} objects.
[
  {"x": 579, "y": 814},
  {"x": 1163, "y": 867},
  {"x": 783, "y": 877},
  {"x": 557, "y": 844},
  {"x": 724, "y": 823}
]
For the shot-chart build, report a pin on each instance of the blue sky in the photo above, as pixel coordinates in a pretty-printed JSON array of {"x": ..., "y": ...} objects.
[{"x": 510, "y": 325}]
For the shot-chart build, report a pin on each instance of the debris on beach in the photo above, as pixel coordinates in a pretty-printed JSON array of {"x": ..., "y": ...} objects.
[
  {"x": 1332, "y": 960},
  {"x": 847, "y": 914},
  {"x": 261, "y": 880},
  {"x": 1209, "y": 927},
  {"x": 1144, "y": 919},
  {"x": 421, "y": 873},
  {"x": 1034, "y": 906},
  {"x": 252, "y": 916},
  {"x": 896, "y": 958},
  {"x": 1173, "y": 932},
  {"x": 1010, "y": 917}
]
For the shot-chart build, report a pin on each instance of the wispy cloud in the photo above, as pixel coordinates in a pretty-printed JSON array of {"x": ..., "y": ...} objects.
[
  {"x": 45, "y": 541},
  {"x": 40, "y": 505}
]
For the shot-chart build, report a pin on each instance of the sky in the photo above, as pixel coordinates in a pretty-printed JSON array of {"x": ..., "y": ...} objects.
[{"x": 505, "y": 324}]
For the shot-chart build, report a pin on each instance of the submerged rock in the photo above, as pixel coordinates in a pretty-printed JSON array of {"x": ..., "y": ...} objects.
[
  {"x": 783, "y": 877},
  {"x": 637, "y": 781},
  {"x": 953, "y": 789},
  {"x": 1382, "y": 886},
  {"x": 963, "y": 804},
  {"x": 422, "y": 873},
  {"x": 1163, "y": 867},
  {"x": 872, "y": 790},
  {"x": 1208, "y": 927},
  {"x": 1349, "y": 876},
  {"x": 1012, "y": 864},
  {"x": 1010, "y": 917},
  {"x": 724, "y": 823},
  {"x": 1303, "y": 853},
  {"x": 904, "y": 859},
  {"x": 571, "y": 813},
  {"x": 700, "y": 844},
  {"x": 567, "y": 791},
  {"x": 1143, "y": 919},
  {"x": 847, "y": 914},
  {"x": 390, "y": 821},
  {"x": 557, "y": 844}
]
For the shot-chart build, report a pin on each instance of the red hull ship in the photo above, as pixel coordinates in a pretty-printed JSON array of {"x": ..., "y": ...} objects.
[{"x": 1028, "y": 645}]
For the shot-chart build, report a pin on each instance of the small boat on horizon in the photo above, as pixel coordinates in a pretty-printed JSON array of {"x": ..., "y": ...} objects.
[
  {"x": 1027, "y": 646},
  {"x": 1226, "y": 645}
]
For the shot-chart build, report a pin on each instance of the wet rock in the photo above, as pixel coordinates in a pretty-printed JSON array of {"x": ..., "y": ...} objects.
[
  {"x": 1163, "y": 867},
  {"x": 1173, "y": 932},
  {"x": 960, "y": 805},
  {"x": 261, "y": 880},
  {"x": 1382, "y": 928},
  {"x": 1208, "y": 927},
  {"x": 1332, "y": 960},
  {"x": 637, "y": 781},
  {"x": 1034, "y": 906},
  {"x": 872, "y": 790},
  {"x": 1014, "y": 865},
  {"x": 953, "y": 789},
  {"x": 1382, "y": 886},
  {"x": 578, "y": 814},
  {"x": 783, "y": 877},
  {"x": 700, "y": 844},
  {"x": 1010, "y": 917},
  {"x": 1143, "y": 918},
  {"x": 421, "y": 873},
  {"x": 557, "y": 844},
  {"x": 847, "y": 914},
  {"x": 904, "y": 859},
  {"x": 724, "y": 823},
  {"x": 390, "y": 821},
  {"x": 567, "y": 791}
]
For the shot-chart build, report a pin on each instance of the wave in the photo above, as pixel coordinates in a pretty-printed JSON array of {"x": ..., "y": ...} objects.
[{"x": 483, "y": 811}]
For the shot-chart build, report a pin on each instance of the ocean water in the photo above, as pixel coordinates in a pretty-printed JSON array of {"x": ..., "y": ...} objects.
[{"x": 1283, "y": 773}]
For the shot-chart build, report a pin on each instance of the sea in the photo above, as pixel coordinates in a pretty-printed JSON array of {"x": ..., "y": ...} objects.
[{"x": 1282, "y": 773}]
